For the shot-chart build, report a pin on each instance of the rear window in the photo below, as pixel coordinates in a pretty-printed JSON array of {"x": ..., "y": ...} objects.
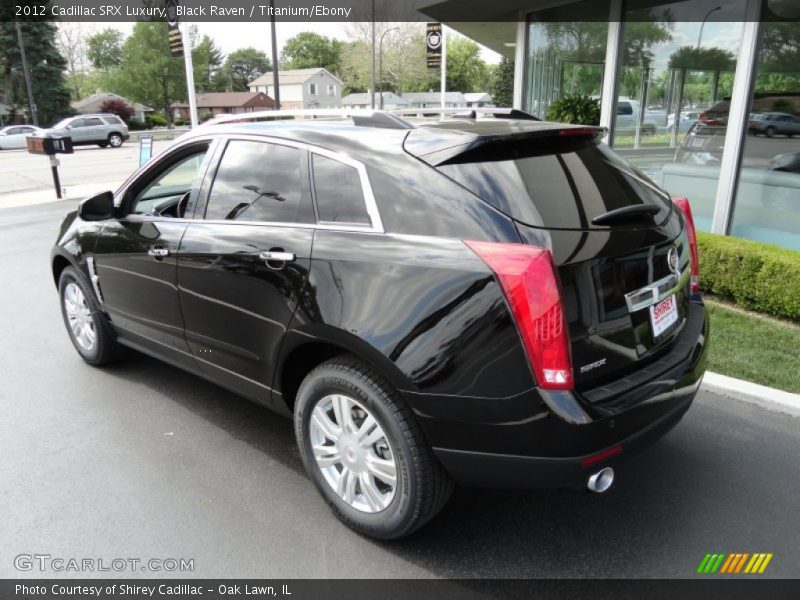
[{"x": 564, "y": 188}]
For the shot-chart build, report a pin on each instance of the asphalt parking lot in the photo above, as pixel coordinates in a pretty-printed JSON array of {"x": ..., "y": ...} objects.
[{"x": 142, "y": 460}]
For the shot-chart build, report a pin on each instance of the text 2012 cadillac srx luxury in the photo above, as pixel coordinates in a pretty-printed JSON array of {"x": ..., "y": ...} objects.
[{"x": 493, "y": 301}]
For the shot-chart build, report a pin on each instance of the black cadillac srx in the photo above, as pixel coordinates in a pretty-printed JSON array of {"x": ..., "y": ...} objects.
[{"x": 493, "y": 301}]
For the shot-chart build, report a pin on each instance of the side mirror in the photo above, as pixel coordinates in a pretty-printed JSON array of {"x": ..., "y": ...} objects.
[{"x": 97, "y": 208}]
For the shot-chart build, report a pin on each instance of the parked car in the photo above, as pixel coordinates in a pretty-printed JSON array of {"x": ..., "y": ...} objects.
[
  {"x": 496, "y": 302},
  {"x": 702, "y": 145},
  {"x": 13, "y": 136},
  {"x": 102, "y": 129},
  {"x": 628, "y": 111},
  {"x": 687, "y": 119},
  {"x": 773, "y": 123},
  {"x": 762, "y": 102}
]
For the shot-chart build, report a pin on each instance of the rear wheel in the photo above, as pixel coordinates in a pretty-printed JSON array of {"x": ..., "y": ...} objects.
[
  {"x": 115, "y": 140},
  {"x": 87, "y": 327},
  {"x": 365, "y": 452},
  {"x": 770, "y": 131}
]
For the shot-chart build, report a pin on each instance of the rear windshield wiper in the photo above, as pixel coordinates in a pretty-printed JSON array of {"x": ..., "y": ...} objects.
[{"x": 635, "y": 212}]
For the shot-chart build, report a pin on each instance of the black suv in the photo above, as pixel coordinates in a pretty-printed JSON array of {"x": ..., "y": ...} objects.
[{"x": 491, "y": 301}]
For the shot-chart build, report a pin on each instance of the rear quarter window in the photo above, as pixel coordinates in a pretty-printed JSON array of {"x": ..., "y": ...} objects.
[
  {"x": 338, "y": 191},
  {"x": 563, "y": 189}
]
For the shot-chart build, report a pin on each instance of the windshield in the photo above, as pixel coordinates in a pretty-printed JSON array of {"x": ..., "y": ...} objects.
[{"x": 62, "y": 124}]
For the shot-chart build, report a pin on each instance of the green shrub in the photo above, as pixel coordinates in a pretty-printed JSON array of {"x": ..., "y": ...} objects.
[
  {"x": 155, "y": 120},
  {"x": 755, "y": 275},
  {"x": 578, "y": 110}
]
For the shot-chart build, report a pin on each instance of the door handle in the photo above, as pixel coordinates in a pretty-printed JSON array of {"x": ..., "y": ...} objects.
[
  {"x": 158, "y": 252},
  {"x": 277, "y": 256}
]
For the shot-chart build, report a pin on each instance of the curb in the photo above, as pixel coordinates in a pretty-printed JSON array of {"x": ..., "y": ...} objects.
[{"x": 760, "y": 395}]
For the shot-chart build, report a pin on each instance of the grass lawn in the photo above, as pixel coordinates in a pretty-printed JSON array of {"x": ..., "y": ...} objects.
[{"x": 754, "y": 347}]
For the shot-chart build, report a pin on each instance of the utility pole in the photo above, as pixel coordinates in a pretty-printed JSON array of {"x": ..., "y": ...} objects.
[
  {"x": 380, "y": 69},
  {"x": 26, "y": 71},
  {"x": 275, "y": 78},
  {"x": 189, "y": 65},
  {"x": 444, "y": 67},
  {"x": 372, "y": 87}
]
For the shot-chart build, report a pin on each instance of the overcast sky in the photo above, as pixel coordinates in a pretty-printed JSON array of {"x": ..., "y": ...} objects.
[{"x": 232, "y": 36}]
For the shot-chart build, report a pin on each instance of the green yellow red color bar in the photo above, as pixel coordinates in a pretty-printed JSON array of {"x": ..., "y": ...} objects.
[{"x": 737, "y": 562}]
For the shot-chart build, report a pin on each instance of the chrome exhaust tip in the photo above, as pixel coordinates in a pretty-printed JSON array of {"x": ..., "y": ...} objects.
[{"x": 601, "y": 481}]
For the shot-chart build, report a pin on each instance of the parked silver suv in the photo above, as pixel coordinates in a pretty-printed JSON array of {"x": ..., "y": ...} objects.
[{"x": 103, "y": 129}]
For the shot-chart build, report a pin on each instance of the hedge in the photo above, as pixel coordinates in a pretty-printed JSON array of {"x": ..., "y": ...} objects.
[{"x": 758, "y": 276}]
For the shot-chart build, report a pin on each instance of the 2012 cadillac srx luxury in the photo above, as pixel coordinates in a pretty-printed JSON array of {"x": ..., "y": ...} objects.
[{"x": 488, "y": 300}]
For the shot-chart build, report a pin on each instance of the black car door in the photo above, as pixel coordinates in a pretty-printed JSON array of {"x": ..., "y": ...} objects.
[
  {"x": 243, "y": 264},
  {"x": 136, "y": 254}
]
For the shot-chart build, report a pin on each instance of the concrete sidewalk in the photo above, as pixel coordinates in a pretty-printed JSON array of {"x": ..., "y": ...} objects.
[{"x": 71, "y": 193}]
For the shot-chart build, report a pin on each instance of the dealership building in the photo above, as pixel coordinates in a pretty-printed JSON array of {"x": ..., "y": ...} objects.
[{"x": 703, "y": 96}]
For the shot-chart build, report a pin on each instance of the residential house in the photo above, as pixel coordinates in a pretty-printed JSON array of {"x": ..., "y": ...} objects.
[
  {"x": 302, "y": 88},
  {"x": 434, "y": 100},
  {"x": 94, "y": 104},
  {"x": 224, "y": 103},
  {"x": 391, "y": 101},
  {"x": 477, "y": 99}
]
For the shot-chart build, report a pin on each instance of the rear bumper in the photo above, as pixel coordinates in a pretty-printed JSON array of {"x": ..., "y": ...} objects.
[
  {"x": 522, "y": 442},
  {"x": 479, "y": 469}
]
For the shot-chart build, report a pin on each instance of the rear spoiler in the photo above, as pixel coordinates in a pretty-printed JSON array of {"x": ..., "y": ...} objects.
[{"x": 440, "y": 147}]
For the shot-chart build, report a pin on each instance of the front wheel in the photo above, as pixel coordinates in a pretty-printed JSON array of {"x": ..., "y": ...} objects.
[
  {"x": 115, "y": 140},
  {"x": 85, "y": 323},
  {"x": 365, "y": 452},
  {"x": 770, "y": 131}
]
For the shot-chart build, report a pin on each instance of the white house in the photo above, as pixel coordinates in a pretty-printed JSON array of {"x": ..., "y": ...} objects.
[
  {"x": 434, "y": 100},
  {"x": 391, "y": 101},
  {"x": 477, "y": 99},
  {"x": 302, "y": 88}
]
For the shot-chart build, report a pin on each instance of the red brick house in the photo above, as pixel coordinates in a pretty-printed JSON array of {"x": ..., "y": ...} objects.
[{"x": 223, "y": 103}]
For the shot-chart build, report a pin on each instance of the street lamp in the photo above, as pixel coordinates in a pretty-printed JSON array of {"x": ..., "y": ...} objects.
[
  {"x": 703, "y": 24},
  {"x": 380, "y": 58}
]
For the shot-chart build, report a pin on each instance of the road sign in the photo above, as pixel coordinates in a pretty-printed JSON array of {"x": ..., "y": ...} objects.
[
  {"x": 145, "y": 148},
  {"x": 433, "y": 41}
]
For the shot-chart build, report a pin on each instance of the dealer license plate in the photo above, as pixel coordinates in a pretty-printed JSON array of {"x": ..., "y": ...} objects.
[{"x": 663, "y": 315}]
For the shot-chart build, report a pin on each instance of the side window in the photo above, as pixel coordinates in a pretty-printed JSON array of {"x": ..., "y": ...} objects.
[
  {"x": 312, "y": 89},
  {"x": 624, "y": 108},
  {"x": 167, "y": 194},
  {"x": 15, "y": 131},
  {"x": 337, "y": 188},
  {"x": 93, "y": 121},
  {"x": 260, "y": 181},
  {"x": 112, "y": 120},
  {"x": 78, "y": 123}
]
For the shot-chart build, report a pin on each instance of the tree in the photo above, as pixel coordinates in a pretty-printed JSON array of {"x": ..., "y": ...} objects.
[
  {"x": 240, "y": 68},
  {"x": 147, "y": 73},
  {"x": 702, "y": 59},
  {"x": 466, "y": 71},
  {"x": 207, "y": 59},
  {"x": 71, "y": 42},
  {"x": 46, "y": 66},
  {"x": 502, "y": 86},
  {"x": 104, "y": 49},
  {"x": 117, "y": 107},
  {"x": 308, "y": 50}
]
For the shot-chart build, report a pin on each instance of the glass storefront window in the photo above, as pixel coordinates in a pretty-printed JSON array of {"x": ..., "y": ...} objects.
[
  {"x": 677, "y": 69},
  {"x": 565, "y": 57},
  {"x": 767, "y": 201}
]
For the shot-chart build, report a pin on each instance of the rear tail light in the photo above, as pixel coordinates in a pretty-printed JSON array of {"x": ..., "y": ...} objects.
[
  {"x": 683, "y": 204},
  {"x": 528, "y": 278}
]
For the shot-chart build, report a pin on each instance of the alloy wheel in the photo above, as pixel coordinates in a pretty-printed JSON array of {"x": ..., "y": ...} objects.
[
  {"x": 353, "y": 453},
  {"x": 79, "y": 317},
  {"x": 115, "y": 140}
]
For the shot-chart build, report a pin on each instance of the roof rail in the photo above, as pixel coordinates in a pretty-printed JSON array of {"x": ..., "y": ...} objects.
[{"x": 365, "y": 117}]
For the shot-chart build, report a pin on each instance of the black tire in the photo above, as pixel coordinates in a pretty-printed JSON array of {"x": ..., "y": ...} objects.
[
  {"x": 770, "y": 131},
  {"x": 105, "y": 348},
  {"x": 115, "y": 140},
  {"x": 103, "y": 144},
  {"x": 422, "y": 485}
]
